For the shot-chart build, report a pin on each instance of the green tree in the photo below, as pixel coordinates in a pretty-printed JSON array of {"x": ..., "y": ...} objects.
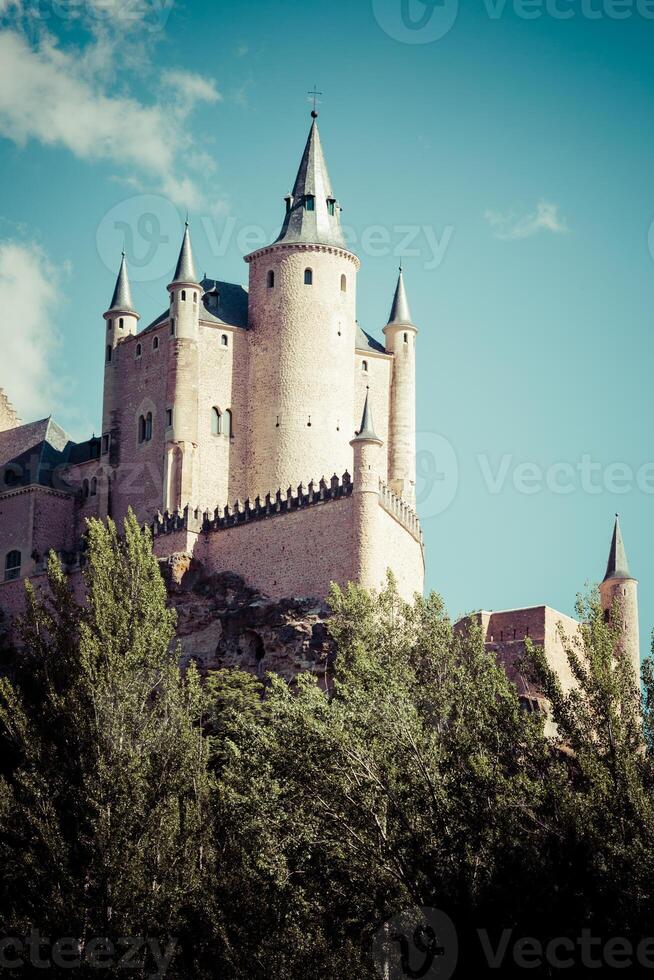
[
  {"x": 606, "y": 807},
  {"x": 104, "y": 805}
]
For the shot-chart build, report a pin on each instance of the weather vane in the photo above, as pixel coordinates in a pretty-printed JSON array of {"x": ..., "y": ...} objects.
[{"x": 314, "y": 93}]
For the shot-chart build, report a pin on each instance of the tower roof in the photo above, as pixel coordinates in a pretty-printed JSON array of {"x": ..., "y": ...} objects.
[
  {"x": 185, "y": 268},
  {"x": 400, "y": 312},
  {"x": 617, "y": 565},
  {"x": 312, "y": 215},
  {"x": 367, "y": 429},
  {"x": 122, "y": 297}
]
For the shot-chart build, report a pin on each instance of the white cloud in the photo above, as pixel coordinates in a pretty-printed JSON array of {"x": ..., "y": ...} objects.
[
  {"x": 511, "y": 227},
  {"x": 60, "y": 98},
  {"x": 28, "y": 333}
]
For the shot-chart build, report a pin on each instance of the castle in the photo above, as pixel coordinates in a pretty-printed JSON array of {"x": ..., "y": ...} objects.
[{"x": 239, "y": 425}]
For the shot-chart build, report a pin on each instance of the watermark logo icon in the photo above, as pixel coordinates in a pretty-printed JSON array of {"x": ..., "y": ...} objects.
[
  {"x": 416, "y": 21},
  {"x": 149, "y": 228},
  {"x": 416, "y": 943},
  {"x": 437, "y": 474}
]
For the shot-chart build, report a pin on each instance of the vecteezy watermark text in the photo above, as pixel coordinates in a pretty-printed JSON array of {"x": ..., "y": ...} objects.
[{"x": 67, "y": 953}]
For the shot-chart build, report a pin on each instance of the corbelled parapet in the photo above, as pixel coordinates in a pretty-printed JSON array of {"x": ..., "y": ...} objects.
[
  {"x": 244, "y": 512},
  {"x": 400, "y": 510}
]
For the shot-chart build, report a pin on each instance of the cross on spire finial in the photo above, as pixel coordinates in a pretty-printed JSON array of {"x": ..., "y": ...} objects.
[{"x": 314, "y": 93}]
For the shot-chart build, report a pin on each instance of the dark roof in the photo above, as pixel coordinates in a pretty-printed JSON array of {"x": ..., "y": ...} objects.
[
  {"x": 617, "y": 565},
  {"x": 400, "y": 312},
  {"x": 318, "y": 226},
  {"x": 121, "y": 301},
  {"x": 230, "y": 309},
  {"x": 366, "y": 431},
  {"x": 185, "y": 268},
  {"x": 363, "y": 341},
  {"x": 46, "y": 457}
]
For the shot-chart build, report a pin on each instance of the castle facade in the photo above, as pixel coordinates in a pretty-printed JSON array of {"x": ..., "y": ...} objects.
[{"x": 239, "y": 424}]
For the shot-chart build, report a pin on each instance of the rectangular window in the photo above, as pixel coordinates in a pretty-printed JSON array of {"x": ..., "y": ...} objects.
[
  {"x": 169, "y": 416},
  {"x": 105, "y": 444},
  {"x": 310, "y": 202},
  {"x": 331, "y": 206}
]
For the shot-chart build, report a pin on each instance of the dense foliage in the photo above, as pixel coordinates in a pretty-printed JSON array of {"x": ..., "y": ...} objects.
[{"x": 248, "y": 829}]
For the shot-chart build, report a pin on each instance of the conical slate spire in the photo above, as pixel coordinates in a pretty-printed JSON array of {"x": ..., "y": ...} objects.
[
  {"x": 367, "y": 429},
  {"x": 400, "y": 312},
  {"x": 312, "y": 215},
  {"x": 185, "y": 269},
  {"x": 122, "y": 297},
  {"x": 617, "y": 565}
]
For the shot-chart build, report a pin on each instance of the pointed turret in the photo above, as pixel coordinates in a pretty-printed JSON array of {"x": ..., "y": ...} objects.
[
  {"x": 400, "y": 333},
  {"x": 312, "y": 212},
  {"x": 185, "y": 269},
  {"x": 121, "y": 301},
  {"x": 617, "y": 565},
  {"x": 620, "y": 588},
  {"x": 366, "y": 431},
  {"x": 400, "y": 312}
]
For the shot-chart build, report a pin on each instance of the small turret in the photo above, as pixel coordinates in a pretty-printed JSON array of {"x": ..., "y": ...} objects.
[
  {"x": 185, "y": 292},
  {"x": 366, "y": 474},
  {"x": 619, "y": 584},
  {"x": 400, "y": 333},
  {"x": 122, "y": 319}
]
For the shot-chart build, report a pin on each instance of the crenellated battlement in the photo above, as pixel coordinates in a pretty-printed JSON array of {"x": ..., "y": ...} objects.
[
  {"x": 400, "y": 510},
  {"x": 259, "y": 509}
]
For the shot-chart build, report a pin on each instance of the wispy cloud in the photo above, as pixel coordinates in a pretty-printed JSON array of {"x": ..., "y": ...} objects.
[
  {"x": 67, "y": 96},
  {"x": 511, "y": 227},
  {"x": 28, "y": 331}
]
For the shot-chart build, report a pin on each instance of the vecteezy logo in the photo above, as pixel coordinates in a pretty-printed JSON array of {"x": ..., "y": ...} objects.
[
  {"x": 420, "y": 944},
  {"x": 437, "y": 474},
  {"x": 149, "y": 228},
  {"x": 416, "y": 21}
]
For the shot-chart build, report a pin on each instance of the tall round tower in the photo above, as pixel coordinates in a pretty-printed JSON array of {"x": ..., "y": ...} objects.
[
  {"x": 122, "y": 321},
  {"x": 620, "y": 585},
  {"x": 400, "y": 334},
  {"x": 302, "y": 301},
  {"x": 181, "y": 438}
]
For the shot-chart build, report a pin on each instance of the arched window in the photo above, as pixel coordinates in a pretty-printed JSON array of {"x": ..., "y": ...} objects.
[
  {"x": 343, "y": 284},
  {"x": 224, "y": 340},
  {"x": 406, "y": 338},
  {"x": 195, "y": 297},
  {"x": 12, "y": 566},
  {"x": 271, "y": 279},
  {"x": 121, "y": 323},
  {"x": 364, "y": 365},
  {"x": 216, "y": 422},
  {"x": 308, "y": 277},
  {"x": 310, "y": 202},
  {"x": 148, "y": 426},
  {"x": 139, "y": 350},
  {"x": 94, "y": 486},
  {"x": 108, "y": 353},
  {"x": 155, "y": 344},
  {"x": 172, "y": 326},
  {"x": 85, "y": 488},
  {"x": 229, "y": 423},
  {"x": 142, "y": 428},
  {"x": 183, "y": 295}
]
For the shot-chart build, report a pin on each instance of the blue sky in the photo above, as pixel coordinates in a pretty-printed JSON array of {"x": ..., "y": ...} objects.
[{"x": 504, "y": 151}]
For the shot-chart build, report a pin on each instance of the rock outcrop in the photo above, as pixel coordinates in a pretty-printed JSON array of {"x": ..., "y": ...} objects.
[{"x": 223, "y": 622}]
